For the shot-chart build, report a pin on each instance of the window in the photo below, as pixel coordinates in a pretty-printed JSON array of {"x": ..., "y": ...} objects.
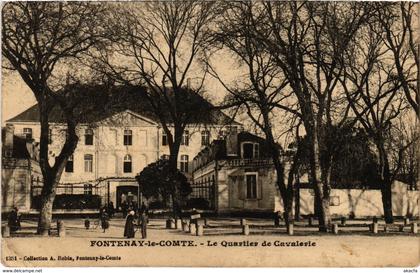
[
  {"x": 70, "y": 165},
  {"x": 164, "y": 139},
  {"x": 88, "y": 163},
  {"x": 251, "y": 186},
  {"x": 256, "y": 150},
  {"x": 49, "y": 136},
  {"x": 185, "y": 138},
  {"x": 205, "y": 138},
  {"x": 128, "y": 137},
  {"x": 68, "y": 189},
  {"x": 88, "y": 137},
  {"x": 87, "y": 189},
  {"x": 250, "y": 150},
  {"x": 27, "y": 132},
  {"x": 184, "y": 163},
  {"x": 127, "y": 164}
]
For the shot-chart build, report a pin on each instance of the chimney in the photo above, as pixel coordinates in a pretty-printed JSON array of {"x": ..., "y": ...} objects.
[
  {"x": 8, "y": 140},
  {"x": 232, "y": 142}
]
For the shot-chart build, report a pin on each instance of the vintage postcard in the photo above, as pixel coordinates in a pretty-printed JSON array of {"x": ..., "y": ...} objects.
[{"x": 210, "y": 133}]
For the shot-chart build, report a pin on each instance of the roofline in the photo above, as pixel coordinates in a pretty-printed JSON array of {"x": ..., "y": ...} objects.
[
  {"x": 11, "y": 121},
  {"x": 140, "y": 117}
]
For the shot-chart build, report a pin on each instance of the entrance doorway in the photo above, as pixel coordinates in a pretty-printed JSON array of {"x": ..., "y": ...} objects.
[{"x": 127, "y": 194}]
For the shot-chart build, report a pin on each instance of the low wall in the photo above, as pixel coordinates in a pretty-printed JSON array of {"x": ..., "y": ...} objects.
[{"x": 361, "y": 203}]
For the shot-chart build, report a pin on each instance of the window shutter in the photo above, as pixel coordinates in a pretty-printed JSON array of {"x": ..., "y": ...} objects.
[
  {"x": 241, "y": 187},
  {"x": 259, "y": 188}
]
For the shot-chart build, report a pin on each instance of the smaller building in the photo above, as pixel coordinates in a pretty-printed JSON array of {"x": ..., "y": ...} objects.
[
  {"x": 235, "y": 174},
  {"x": 20, "y": 170}
]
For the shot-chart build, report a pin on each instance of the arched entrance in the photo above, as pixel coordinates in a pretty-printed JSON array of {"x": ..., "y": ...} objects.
[{"x": 127, "y": 193}]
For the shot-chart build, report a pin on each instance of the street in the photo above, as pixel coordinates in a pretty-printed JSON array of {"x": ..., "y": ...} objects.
[{"x": 220, "y": 245}]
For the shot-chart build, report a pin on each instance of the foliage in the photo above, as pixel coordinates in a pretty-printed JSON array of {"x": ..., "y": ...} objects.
[
  {"x": 156, "y": 180},
  {"x": 197, "y": 203},
  {"x": 157, "y": 205},
  {"x": 354, "y": 164},
  {"x": 71, "y": 201}
]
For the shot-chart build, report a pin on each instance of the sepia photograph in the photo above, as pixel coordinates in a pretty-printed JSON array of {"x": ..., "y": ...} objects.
[{"x": 210, "y": 134}]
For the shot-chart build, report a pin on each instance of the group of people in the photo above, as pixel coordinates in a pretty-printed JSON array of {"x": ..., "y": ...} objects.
[
  {"x": 127, "y": 206},
  {"x": 130, "y": 222},
  {"x": 132, "y": 219}
]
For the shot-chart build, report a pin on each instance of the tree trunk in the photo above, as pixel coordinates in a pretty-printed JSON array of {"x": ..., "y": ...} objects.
[
  {"x": 286, "y": 192},
  {"x": 45, "y": 216},
  {"x": 52, "y": 175},
  {"x": 173, "y": 166},
  {"x": 320, "y": 184},
  {"x": 386, "y": 182},
  {"x": 288, "y": 208},
  {"x": 297, "y": 198},
  {"x": 387, "y": 202}
]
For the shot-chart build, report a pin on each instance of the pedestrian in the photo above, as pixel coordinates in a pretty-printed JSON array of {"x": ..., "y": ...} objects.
[
  {"x": 104, "y": 220},
  {"x": 124, "y": 207},
  {"x": 130, "y": 206},
  {"x": 144, "y": 220},
  {"x": 87, "y": 223},
  {"x": 14, "y": 220},
  {"x": 111, "y": 209},
  {"x": 135, "y": 206},
  {"x": 129, "y": 225},
  {"x": 142, "y": 208}
]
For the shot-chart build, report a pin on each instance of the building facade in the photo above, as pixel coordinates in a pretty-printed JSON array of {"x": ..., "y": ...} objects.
[
  {"x": 20, "y": 170},
  {"x": 113, "y": 150},
  {"x": 236, "y": 175}
]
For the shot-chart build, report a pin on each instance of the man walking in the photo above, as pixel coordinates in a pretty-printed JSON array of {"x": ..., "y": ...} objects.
[{"x": 143, "y": 219}]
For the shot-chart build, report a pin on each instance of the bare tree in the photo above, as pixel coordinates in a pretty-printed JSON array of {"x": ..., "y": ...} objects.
[
  {"x": 376, "y": 98},
  {"x": 306, "y": 41},
  {"x": 157, "y": 45},
  {"x": 37, "y": 38},
  {"x": 403, "y": 149},
  {"x": 261, "y": 91},
  {"x": 398, "y": 22}
]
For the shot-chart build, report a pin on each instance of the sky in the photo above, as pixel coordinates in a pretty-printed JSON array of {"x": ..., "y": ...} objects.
[{"x": 16, "y": 96}]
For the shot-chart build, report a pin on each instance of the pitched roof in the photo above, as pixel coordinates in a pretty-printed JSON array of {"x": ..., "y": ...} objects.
[{"x": 99, "y": 102}]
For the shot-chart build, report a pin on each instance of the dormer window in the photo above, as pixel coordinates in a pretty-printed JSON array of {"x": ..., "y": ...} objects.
[
  {"x": 250, "y": 150},
  {"x": 256, "y": 150}
]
